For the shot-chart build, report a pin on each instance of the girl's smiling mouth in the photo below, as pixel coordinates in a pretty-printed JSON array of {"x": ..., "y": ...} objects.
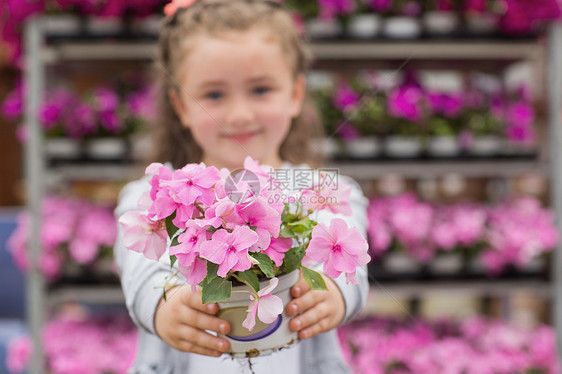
[{"x": 242, "y": 137}]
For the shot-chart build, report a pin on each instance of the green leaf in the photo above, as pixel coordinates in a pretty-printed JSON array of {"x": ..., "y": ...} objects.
[
  {"x": 293, "y": 258},
  {"x": 216, "y": 290},
  {"x": 286, "y": 232},
  {"x": 212, "y": 269},
  {"x": 173, "y": 260},
  {"x": 164, "y": 294},
  {"x": 170, "y": 227},
  {"x": 250, "y": 277},
  {"x": 265, "y": 264},
  {"x": 175, "y": 242},
  {"x": 302, "y": 227},
  {"x": 314, "y": 279}
]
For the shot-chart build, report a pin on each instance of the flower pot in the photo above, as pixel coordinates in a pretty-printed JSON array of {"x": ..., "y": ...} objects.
[
  {"x": 65, "y": 24},
  {"x": 141, "y": 146},
  {"x": 443, "y": 146},
  {"x": 440, "y": 23},
  {"x": 263, "y": 339},
  {"x": 446, "y": 263},
  {"x": 483, "y": 24},
  {"x": 364, "y": 26},
  {"x": 400, "y": 263},
  {"x": 323, "y": 28},
  {"x": 104, "y": 25},
  {"x": 402, "y": 27},
  {"x": 509, "y": 148},
  {"x": 488, "y": 145},
  {"x": 402, "y": 147},
  {"x": 365, "y": 147},
  {"x": 106, "y": 148},
  {"x": 148, "y": 25},
  {"x": 63, "y": 148}
]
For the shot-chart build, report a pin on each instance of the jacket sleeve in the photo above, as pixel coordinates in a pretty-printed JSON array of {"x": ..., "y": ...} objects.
[
  {"x": 354, "y": 295},
  {"x": 142, "y": 279}
]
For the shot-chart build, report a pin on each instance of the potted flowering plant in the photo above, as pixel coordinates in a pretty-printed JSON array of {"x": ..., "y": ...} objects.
[
  {"x": 402, "y": 21},
  {"x": 440, "y": 17},
  {"x": 444, "y": 123},
  {"x": 366, "y": 23},
  {"x": 239, "y": 245}
]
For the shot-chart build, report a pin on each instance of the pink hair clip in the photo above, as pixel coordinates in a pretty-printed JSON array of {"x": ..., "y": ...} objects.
[{"x": 171, "y": 8}]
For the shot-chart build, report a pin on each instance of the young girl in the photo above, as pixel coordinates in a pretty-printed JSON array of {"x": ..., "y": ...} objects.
[{"x": 232, "y": 85}]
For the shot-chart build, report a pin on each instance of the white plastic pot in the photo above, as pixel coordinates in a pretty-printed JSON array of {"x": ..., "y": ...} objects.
[
  {"x": 63, "y": 148},
  {"x": 323, "y": 28},
  {"x": 402, "y": 147},
  {"x": 446, "y": 263},
  {"x": 488, "y": 145},
  {"x": 263, "y": 339},
  {"x": 364, "y": 26},
  {"x": 106, "y": 148},
  {"x": 443, "y": 146},
  {"x": 402, "y": 27},
  {"x": 440, "y": 23},
  {"x": 400, "y": 263},
  {"x": 364, "y": 147}
]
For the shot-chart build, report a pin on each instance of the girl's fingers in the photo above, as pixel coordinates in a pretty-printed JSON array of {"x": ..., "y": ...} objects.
[
  {"x": 203, "y": 321},
  {"x": 304, "y": 302},
  {"x": 310, "y": 317},
  {"x": 300, "y": 288},
  {"x": 317, "y": 328},
  {"x": 192, "y": 339}
]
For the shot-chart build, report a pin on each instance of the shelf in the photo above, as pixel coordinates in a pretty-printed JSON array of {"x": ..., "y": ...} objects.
[
  {"x": 476, "y": 288},
  {"x": 91, "y": 294},
  {"x": 484, "y": 168},
  {"x": 501, "y": 51},
  {"x": 96, "y": 171}
]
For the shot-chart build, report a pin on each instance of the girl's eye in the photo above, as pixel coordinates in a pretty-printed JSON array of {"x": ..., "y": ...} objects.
[
  {"x": 261, "y": 90},
  {"x": 214, "y": 95}
]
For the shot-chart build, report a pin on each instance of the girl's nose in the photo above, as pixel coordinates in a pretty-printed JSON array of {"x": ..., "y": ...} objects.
[{"x": 240, "y": 113}]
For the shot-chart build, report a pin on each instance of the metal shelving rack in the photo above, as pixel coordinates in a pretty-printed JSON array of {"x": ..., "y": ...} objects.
[{"x": 494, "y": 54}]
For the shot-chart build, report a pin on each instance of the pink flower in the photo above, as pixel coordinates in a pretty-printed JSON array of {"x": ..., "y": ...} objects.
[
  {"x": 19, "y": 354},
  {"x": 342, "y": 249},
  {"x": 191, "y": 266},
  {"x": 277, "y": 248},
  {"x": 143, "y": 235},
  {"x": 266, "y": 305},
  {"x": 172, "y": 8},
  {"x": 230, "y": 250},
  {"x": 320, "y": 197},
  {"x": 405, "y": 102}
]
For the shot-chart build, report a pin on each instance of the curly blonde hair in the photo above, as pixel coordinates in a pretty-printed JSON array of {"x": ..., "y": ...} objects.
[{"x": 173, "y": 142}]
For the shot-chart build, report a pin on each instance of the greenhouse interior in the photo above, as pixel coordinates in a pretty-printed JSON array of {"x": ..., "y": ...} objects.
[{"x": 439, "y": 119}]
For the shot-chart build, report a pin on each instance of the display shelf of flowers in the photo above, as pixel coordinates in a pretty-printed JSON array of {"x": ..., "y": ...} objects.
[
  {"x": 77, "y": 239},
  {"x": 370, "y": 120},
  {"x": 103, "y": 125},
  {"x": 411, "y": 239}
]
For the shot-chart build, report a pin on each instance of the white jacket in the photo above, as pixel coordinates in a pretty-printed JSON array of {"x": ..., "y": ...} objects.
[{"x": 142, "y": 279}]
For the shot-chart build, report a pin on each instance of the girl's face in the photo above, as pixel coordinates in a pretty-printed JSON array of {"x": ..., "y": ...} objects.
[{"x": 238, "y": 96}]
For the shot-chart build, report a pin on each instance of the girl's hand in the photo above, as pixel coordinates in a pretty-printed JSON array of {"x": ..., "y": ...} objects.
[
  {"x": 181, "y": 322},
  {"x": 319, "y": 310}
]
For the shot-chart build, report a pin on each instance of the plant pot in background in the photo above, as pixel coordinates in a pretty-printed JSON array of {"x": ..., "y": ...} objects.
[
  {"x": 401, "y": 263},
  {"x": 509, "y": 148},
  {"x": 488, "y": 145},
  {"x": 263, "y": 339},
  {"x": 107, "y": 148},
  {"x": 402, "y": 27},
  {"x": 104, "y": 25},
  {"x": 323, "y": 28},
  {"x": 402, "y": 147},
  {"x": 364, "y": 26},
  {"x": 446, "y": 264},
  {"x": 443, "y": 146},
  {"x": 63, "y": 148},
  {"x": 484, "y": 24},
  {"x": 364, "y": 147},
  {"x": 440, "y": 23}
]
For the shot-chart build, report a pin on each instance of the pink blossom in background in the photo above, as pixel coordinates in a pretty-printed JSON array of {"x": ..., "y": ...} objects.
[
  {"x": 330, "y": 9},
  {"x": 381, "y": 6},
  {"x": 348, "y": 132},
  {"x": 340, "y": 248},
  {"x": 520, "y": 118},
  {"x": 12, "y": 107},
  {"x": 335, "y": 199},
  {"x": 18, "y": 354},
  {"x": 405, "y": 102},
  {"x": 449, "y": 105},
  {"x": 142, "y": 234},
  {"x": 266, "y": 305},
  {"x": 346, "y": 99}
]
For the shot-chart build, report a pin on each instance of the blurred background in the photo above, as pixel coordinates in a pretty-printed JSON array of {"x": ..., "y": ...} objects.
[{"x": 440, "y": 109}]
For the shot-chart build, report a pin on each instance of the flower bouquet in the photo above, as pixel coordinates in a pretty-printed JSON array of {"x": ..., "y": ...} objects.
[{"x": 240, "y": 237}]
